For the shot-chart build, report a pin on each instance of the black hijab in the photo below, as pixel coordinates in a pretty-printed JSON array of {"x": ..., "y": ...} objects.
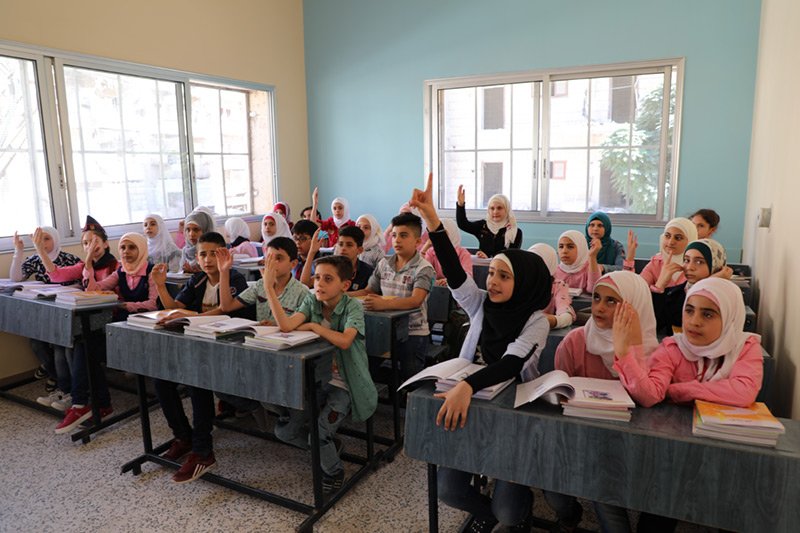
[{"x": 503, "y": 322}]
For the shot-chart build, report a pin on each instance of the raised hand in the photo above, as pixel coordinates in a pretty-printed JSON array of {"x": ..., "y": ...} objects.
[
  {"x": 224, "y": 260},
  {"x": 38, "y": 241},
  {"x": 595, "y": 248},
  {"x": 18, "y": 244},
  {"x": 462, "y": 196},
  {"x": 667, "y": 271},
  {"x": 315, "y": 198},
  {"x": 725, "y": 272},
  {"x": 633, "y": 243},
  {"x": 622, "y": 329},
  {"x": 269, "y": 273},
  {"x": 481, "y": 254},
  {"x": 95, "y": 252},
  {"x": 423, "y": 200},
  {"x": 159, "y": 274},
  {"x": 316, "y": 243}
]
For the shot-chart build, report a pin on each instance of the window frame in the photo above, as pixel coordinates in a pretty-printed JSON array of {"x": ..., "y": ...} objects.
[
  {"x": 433, "y": 151},
  {"x": 49, "y": 66}
]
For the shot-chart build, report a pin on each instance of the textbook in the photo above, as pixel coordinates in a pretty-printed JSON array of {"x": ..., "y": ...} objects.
[
  {"x": 575, "y": 292},
  {"x": 151, "y": 319},
  {"x": 223, "y": 327},
  {"x": 7, "y": 286},
  {"x": 753, "y": 424},
  {"x": 83, "y": 298},
  {"x": 279, "y": 340},
  {"x": 46, "y": 292},
  {"x": 604, "y": 399},
  {"x": 450, "y": 373}
]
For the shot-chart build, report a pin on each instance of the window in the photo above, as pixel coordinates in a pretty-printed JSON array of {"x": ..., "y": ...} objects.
[
  {"x": 560, "y": 143},
  {"x": 89, "y": 136}
]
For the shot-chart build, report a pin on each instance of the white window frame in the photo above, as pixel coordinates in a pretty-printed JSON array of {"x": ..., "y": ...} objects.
[
  {"x": 432, "y": 161},
  {"x": 49, "y": 66}
]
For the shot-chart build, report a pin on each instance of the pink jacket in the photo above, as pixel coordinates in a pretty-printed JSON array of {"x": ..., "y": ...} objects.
[
  {"x": 112, "y": 281},
  {"x": 573, "y": 358},
  {"x": 561, "y": 302},
  {"x": 75, "y": 272},
  {"x": 246, "y": 248},
  {"x": 652, "y": 271},
  {"x": 671, "y": 374},
  {"x": 580, "y": 280},
  {"x": 463, "y": 257}
]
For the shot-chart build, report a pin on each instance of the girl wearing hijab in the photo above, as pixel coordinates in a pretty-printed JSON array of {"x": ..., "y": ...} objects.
[
  {"x": 239, "y": 234},
  {"x": 510, "y": 329},
  {"x": 282, "y": 208},
  {"x": 273, "y": 225},
  {"x": 559, "y": 311},
  {"x": 341, "y": 217},
  {"x": 50, "y": 247},
  {"x": 94, "y": 241},
  {"x": 387, "y": 235},
  {"x": 161, "y": 247},
  {"x": 195, "y": 224},
  {"x": 612, "y": 254},
  {"x": 665, "y": 269},
  {"x": 588, "y": 352},
  {"x": 464, "y": 258},
  {"x": 136, "y": 288},
  {"x": 578, "y": 267},
  {"x": 498, "y": 232},
  {"x": 373, "y": 240}
]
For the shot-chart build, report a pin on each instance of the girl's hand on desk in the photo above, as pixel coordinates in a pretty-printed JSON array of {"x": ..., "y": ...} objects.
[
  {"x": 267, "y": 323},
  {"x": 456, "y": 403},
  {"x": 306, "y": 326}
]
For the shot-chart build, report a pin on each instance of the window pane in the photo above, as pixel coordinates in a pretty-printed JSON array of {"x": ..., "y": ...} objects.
[
  {"x": 569, "y": 124},
  {"x": 208, "y": 179},
  {"x": 206, "y": 120},
  {"x": 522, "y": 182},
  {"x": 125, "y": 145},
  {"x": 568, "y": 174},
  {"x": 23, "y": 176},
  {"x": 458, "y": 124},
  {"x": 523, "y": 105},
  {"x": 495, "y": 175},
  {"x": 459, "y": 169},
  {"x": 234, "y": 121},
  {"x": 494, "y": 108}
]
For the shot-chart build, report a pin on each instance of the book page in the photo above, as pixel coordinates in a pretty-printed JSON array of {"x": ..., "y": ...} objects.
[
  {"x": 600, "y": 392},
  {"x": 438, "y": 371},
  {"x": 556, "y": 381}
]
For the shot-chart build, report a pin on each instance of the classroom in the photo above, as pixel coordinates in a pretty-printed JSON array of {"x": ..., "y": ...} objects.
[{"x": 348, "y": 94}]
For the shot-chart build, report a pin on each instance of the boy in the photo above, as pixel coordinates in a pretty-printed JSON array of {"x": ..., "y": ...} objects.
[
  {"x": 339, "y": 319},
  {"x": 407, "y": 275},
  {"x": 303, "y": 233},
  {"x": 350, "y": 245},
  {"x": 200, "y": 294}
]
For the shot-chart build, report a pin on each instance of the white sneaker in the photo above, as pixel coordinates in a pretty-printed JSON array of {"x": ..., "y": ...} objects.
[
  {"x": 63, "y": 403},
  {"x": 50, "y": 398}
]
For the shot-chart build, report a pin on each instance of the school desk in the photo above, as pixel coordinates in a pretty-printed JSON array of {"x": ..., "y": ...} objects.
[
  {"x": 56, "y": 323},
  {"x": 653, "y": 463},
  {"x": 286, "y": 377}
]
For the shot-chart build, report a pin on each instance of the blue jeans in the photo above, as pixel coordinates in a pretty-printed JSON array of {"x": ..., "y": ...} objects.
[
  {"x": 411, "y": 355},
  {"x": 202, "y": 414},
  {"x": 80, "y": 373},
  {"x": 57, "y": 361},
  {"x": 612, "y": 518},
  {"x": 291, "y": 428},
  {"x": 510, "y": 505}
]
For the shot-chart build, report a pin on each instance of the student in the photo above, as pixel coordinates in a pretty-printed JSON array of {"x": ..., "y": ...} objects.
[
  {"x": 409, "y": 277},
  {"x": 464, "y": 257},
  {"x": 701, "y": 259},
  {"x": 559, "y": 311},
  {"x": 339, "y": 319},
  {"x": 665, "y": 269},
  {"x": 239, "y": 234},
  {"x": 341, "y": 217},
  {"x": 160, "y": 246},
  {"x": 508, "y": 325},
  {"x": 706, "y": 221},
  {"x": 195, "y": 224},
  {"x": 202, "y": 295},
  {"x": 350, "y": 245},
  {"x": 374, "y": 240},
  {"x": 578, "y": 267},
  {"x": 273, "y": 225},
  {"x": 136, "y": 288},
  {"x": 387, "y": 234},
  {"x": 612, "y": 254},
  {"x": 282, "y": 208},
  {"x": 305, "y": 214},
  {"x": 303, "y": 233},
  {"x": 498, "y": 232}
]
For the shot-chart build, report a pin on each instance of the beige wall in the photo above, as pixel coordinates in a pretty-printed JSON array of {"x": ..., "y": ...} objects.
[
  {"x": 253, "y": 40},
  {"x": 775, "y": 180}
]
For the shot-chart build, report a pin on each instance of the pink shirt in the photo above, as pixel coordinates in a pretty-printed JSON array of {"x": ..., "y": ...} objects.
[
  {"x": 579, "y": 280},
  {"x": 246, "y": 248},
  {"x": 561, "y": 302},
  {"x": 667, "y": 373},
  {"x": 652, "y": 271},
  {"x": 463, "y": 257},
  {"x": 75, "y": 272},
  {"x": 180, "y": 239},
  {"x": 112, "y": 281},
  {"x": 573, "y": 358}
]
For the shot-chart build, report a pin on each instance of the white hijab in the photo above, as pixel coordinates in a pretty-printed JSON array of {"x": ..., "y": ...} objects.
[
  {"x": 583, "y": 251},
  {"x": 376, "y": 236},
  {"x": 161, "y": 246},
  {"x": 346, "y": 216},
  {"x": 728, "y": 347},
  {"x": 235, "y": 227},
  {"x": 686, "y": 227},
  {"x": 281, "y": 228},
  {"x": 452, "y": 232},
  {"x": 510, "y": 222},
  {"x": 634, "y": 290},
  {"x": 548, "y": 255},
  {"x": 50, "y": 230}
]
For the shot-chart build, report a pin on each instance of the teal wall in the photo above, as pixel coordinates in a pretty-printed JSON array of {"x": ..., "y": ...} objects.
[{"x": 366, "y": 61}]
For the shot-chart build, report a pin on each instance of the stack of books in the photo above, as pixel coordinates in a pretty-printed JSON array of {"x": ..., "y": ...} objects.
[
  {"x": 450, "y": 373},
  {"x": 603, "y": 399},
  {"x": 272, "y": 338},
  {"x": 45, "y": 292},
  {"x": 751, "y": 425},
  {"x": 7, "y": 286},
  {"x": 222, "y": 327},
  {"x": 85, "y": 298}
]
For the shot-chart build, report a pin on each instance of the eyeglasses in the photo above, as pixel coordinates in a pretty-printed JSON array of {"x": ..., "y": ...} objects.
[{"x": 302, "y": 239}]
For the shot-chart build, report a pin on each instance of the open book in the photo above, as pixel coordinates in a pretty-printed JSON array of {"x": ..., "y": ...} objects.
[
  {"x": 272, "y": 338},
  {"x": 151, "y": 319},
  {"x": 450, "y": 373},
  {"x": 8, "y": 286},
  {"x": 45, "y": 292},
  {"x": 753, "y": 424}
]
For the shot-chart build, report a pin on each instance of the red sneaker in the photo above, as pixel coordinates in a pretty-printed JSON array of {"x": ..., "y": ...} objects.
[
  {"x": 194, "y": 467},
  {"x": 75, "y": 415},
  {"x": 104, "y": 412},
  {"x": 178, "y": 449}
]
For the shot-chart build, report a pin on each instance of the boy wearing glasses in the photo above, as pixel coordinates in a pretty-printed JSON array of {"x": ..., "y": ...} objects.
[{"x": 303, "y": 233}]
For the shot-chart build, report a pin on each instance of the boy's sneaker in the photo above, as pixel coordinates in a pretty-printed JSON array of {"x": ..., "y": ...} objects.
[
  {"x": 50, "y": 386},
  {"x": 50, "y": 398},
  {"x": 331, "y": 484},
  {"x": 194, "y": 467},
  {"x": 40, "y": 373},
  {"x": 63, "y": 403},
  {"x": 482, "y": 524},
  {"x": 104, "y": 412},
  {"x": 177, "y": 450},
  {"x": 75, "y": 415}
]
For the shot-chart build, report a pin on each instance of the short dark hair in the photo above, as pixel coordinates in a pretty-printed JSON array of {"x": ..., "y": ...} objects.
[
  {"x": 709, "y": 215},
  {"x": 354, "y": 232},
  {"x": 286, "y": 244},
  {"x": 212, "y": 237},
  {"x": 409, "y": 219},
  {"x": 319, "y": 215},
  {"x": 304, "y": 227},
  {"x": 343, "y": 266}
]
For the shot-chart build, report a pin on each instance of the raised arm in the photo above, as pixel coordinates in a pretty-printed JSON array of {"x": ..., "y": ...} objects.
[
  {"x": 286, "y": 323},
  {"x": 227, "y": 302},
  {"x": 159, "y": 278}
]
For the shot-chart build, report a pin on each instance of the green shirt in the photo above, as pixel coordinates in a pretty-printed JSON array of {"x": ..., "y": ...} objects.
[
  {"x": 290, "y": 299},
  {"x": 353, "y": 364}
]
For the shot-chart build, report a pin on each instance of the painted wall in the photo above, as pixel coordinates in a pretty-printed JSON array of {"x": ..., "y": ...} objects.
[
  {"x": 366, "y": 62},
  {"x": 775, "y": 181}
]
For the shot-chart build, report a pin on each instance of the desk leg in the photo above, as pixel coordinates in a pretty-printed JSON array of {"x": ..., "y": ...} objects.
[
  {"x": 85, "y": 331},
  {"x": 144, "y": 413},
  {"x": 395, "y": 383},
  {"x": 433, "y": 499},
  {"x": 313, "y": 413}
]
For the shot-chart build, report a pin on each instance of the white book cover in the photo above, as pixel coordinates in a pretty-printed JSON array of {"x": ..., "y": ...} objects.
[{"x": 577, "y": 390}]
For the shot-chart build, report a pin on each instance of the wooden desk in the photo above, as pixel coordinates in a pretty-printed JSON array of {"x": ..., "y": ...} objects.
[
  {"x": 651, "y": 464},
  {"x": 287, "y": 377}
]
